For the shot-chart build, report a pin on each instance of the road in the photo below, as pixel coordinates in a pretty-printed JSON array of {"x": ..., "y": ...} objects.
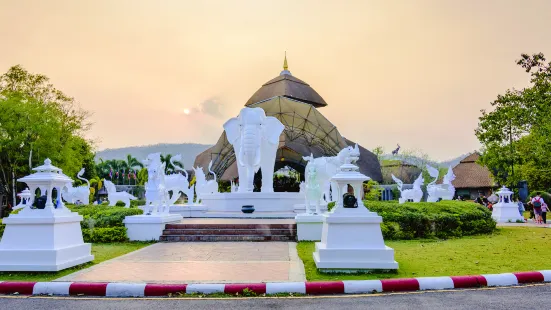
[{"x": 526, "y": 297}]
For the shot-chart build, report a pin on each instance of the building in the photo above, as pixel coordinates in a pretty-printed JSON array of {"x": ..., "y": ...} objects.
[
  {"x": 296, "y": 104},
  {"x": 471, "y": 178}
]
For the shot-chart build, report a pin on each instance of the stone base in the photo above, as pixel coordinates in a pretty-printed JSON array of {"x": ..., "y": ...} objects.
[
  {"x": 506, "y": 212},
  {"x": 354, "y": 259},
  {"x": 45, "y": 260},
  {"x": 148, "y": 227},
  {"x": 189, "y": 210},
  {"x": 43, "y": 240},
  {"x": 352, "y": 240},
  {"x": 309, "y": 227},
  {"x": 301, "y": 208},
  {"x": 266, "y": 205}
]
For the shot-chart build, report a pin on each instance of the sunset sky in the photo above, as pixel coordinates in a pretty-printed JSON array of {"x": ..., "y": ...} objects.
[{"x": 410, "y": 72}]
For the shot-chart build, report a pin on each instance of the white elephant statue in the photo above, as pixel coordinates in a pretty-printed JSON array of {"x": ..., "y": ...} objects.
[
  {"x": 312, "y": 190},
  {"x": 80, "y": 193},
  {"x": 327, "y": 167},
  {"x": 415, "y": 194},
  {"x": 113, "y": 196},
  {"x": 255, "y": 139},
  {"x": 202, "y": 186}
]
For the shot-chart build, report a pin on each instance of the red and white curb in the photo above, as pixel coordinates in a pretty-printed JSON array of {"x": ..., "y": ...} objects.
[{"x": 309, "y": 288}]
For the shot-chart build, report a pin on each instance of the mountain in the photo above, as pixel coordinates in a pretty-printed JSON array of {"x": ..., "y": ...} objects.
[{"x": 188, "y": 150}]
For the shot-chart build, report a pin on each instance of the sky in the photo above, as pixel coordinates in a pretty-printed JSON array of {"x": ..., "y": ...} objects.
[{"x": 411, "y": 72}]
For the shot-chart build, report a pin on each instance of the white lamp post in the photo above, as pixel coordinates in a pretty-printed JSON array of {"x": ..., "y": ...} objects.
[
  {"x": 505, "y": 210},
  {"x": 48, "y": 239},
  {"x": 351, "y": 237}
]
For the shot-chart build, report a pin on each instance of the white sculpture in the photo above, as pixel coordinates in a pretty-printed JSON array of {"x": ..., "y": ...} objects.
[
  {"x": 113, "y": 196},
  {"x": 506, "y": 210},
  {"x": 312, "y": 190},
  {"x": 415, "y": 194},
  {"x": 255, "y": 139},
  {"x": 444, "y": 191},
  {"x": 156, "y": 193},
  {"x": 25, "y": 196},
  {"x": 175, "y": 183},
  {"x": 233, "y": 187},
  {"x": 327, "y": 167},
  {"x": 202, "y": 186},
  {"x": 80, "y": 193}
]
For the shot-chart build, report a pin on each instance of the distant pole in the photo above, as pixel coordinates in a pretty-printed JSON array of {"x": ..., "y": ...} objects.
[{"x": 512, "y": 155}]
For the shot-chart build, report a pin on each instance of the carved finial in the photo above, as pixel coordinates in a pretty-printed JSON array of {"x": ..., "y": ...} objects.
[
  {"x": 47, "y": 161},
  {"x": 285, "y": 66}
]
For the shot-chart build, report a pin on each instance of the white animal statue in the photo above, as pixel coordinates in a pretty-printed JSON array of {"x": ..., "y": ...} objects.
[
  {"x": 444, "y": 191},
  {"x": 255, "y": 139},
  {"x": 312, "y": 190},
  {"x": 327, "y": 167},
  {"x": 156, "y": 193},
  {"x": 233, "y": 187},
  {"x": 80, "y": 193},
  {"x": 202, "y": 186},
  {"x": 415, "y": 193},
  {"x": 175, "y": 183},
  {"x": 113, "y": 196}
]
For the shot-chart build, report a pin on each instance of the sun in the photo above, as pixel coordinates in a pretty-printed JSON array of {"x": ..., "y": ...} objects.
[{"x": 186, "y": 111}]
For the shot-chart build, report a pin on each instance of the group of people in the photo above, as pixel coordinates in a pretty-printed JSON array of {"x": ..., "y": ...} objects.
[{"x": 540, "y": 209}]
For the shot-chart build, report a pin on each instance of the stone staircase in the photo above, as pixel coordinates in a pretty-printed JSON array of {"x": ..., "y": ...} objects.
[{"x": 228, "y": 232}]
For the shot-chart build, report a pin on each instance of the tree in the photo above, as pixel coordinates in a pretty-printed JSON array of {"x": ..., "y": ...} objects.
[
  {"x": 516, "y": 135},
  {"x": 133, "y": 162},
  {"x": 38, "y": 121}
]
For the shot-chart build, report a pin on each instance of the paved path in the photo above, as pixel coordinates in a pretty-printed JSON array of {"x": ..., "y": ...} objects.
[
  {"x": 196, "y": 262},
  {"x": 529, "y": 297}
]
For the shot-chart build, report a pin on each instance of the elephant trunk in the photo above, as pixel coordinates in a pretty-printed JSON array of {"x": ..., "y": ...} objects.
[{"x": 250, "y": 146}]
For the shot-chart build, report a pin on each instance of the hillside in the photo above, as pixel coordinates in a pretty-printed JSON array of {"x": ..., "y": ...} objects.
[{"x": 188, "y": 150}]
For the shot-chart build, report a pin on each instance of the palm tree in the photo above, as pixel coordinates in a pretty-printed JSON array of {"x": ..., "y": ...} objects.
[
  {"x": 168, "y": 166},
  {"x": 133, "y": 162}
]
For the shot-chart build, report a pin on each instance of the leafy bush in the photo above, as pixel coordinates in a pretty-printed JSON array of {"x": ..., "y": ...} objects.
[
  {"x": 104, "y": 234},
  {"x": 444, "y": 219},
  {"x": 119, "y": 204},
  {"x": 104, "y": 216},
  {"x": 371, "y": 190},
  {"x": 545, "y": 195},
  {"x": 2, "y": 226},
  {"x": 137, "y": 202}
]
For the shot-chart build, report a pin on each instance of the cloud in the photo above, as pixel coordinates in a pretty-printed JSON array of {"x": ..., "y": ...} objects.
[{"x": 212, "y": 106}]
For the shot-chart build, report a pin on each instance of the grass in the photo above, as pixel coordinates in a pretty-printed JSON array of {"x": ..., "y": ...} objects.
[
  {"x": 509, "y": 249},
  {"x": 101, "y": 252}
]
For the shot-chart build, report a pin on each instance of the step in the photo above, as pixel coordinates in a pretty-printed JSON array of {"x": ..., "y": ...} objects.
[
  {"x": 231, "y": 226},
  {"x": 221, "y": 238},
  {"x": 210, "y": 231}
]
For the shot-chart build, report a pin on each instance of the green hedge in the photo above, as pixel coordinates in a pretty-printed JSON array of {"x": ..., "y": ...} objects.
[
  {"x": 137, "y": 202},
  {"x": 105, "y": 234},
  {"x": 444, "y": 219}
]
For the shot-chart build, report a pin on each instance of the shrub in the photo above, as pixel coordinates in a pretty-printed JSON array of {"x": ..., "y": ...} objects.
[
  {"x": 137, "y": 202},
  {"x": 104, "y": 216},
  {"x": 119, "y": 204},
  {"x": 2, "y": 226},
  {"x": 545, "y": 195},
  {"x": 444, "y": 219},
  {"x": 104, "y": 234}
]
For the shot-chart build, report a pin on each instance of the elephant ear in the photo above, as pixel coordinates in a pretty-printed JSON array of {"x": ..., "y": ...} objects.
[
  {"x": 231, "y": 127},
  {"x": 272, "y": 129}
]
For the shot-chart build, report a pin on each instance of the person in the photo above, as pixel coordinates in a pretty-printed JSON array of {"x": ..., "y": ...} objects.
[
  {"x": 479, "y": 199},
  {"x": 537, "y": 202},
  {"x": 521, "y": 208},
  {"x": 544, "y": 210},
  {"x": 490, "y": 206}
]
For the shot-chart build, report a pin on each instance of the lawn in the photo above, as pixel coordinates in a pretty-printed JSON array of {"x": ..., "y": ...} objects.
[
  {"x": 101, "y": 252},
  {"x": 509, "y": 249}
]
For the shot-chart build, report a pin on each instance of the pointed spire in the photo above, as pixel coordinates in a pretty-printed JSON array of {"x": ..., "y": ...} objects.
[{"x": 285, "y": 66}]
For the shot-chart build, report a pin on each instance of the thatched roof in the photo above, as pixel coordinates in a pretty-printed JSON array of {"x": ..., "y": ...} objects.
[{"x": 470, "y": 174}]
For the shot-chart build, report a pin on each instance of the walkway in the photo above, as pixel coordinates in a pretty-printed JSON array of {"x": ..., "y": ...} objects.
[{"x": 194, "y": 262}]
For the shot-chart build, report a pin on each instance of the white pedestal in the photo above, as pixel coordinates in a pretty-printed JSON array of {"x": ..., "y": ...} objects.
[
  {"x": 506, "y": 212},
  {"x": 188, "y": 210},
  {"x": 148, "y": 227},
  {"x": 309, "y": 226},
  {"x": 352, "y": 241},
  {"x": 43, "y": 240},
  {"x": 301, "y": 208},
  {"x": 266, "y": 205}
]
